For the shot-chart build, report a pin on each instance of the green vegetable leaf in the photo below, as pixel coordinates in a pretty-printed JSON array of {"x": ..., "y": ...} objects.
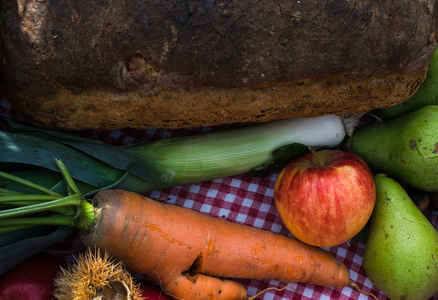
[
  {"x": 124, "y": 158},
  {"x": 281, "y": 157},
  {"x": 19, "y": 245},
  {"x": 23, "y": 149}
]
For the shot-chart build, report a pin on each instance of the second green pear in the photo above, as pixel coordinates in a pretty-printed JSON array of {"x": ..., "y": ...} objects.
[
  {"x": 405, "y": 148},
  {"x": 401, "y": 250}
]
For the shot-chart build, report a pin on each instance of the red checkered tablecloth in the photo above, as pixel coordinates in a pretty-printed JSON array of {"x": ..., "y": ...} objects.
[{"x": 246, "y": 200}]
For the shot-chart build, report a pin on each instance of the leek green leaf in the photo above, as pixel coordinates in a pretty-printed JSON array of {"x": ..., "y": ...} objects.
[
  {"x": 29, "y": 242},
  {"x": 18, "y": 148},
  {"x": 121, "y": 157},
  {"x": 281, "y": 157}
]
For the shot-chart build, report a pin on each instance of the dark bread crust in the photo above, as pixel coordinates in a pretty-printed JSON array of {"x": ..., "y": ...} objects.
[{"x": 113, "y": 64}]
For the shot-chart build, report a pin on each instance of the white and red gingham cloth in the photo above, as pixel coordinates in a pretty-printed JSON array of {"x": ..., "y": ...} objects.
[{"x": 246, "y": 200}]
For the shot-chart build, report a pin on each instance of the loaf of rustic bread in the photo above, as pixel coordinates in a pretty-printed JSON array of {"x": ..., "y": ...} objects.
[{"x": 169, "y": 64}]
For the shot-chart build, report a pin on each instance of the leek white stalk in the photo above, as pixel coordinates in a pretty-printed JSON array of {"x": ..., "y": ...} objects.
[{"x": 230, "y": 152}]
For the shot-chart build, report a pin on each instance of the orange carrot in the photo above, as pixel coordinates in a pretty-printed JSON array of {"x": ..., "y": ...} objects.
[{"x": 190, "y": 254}]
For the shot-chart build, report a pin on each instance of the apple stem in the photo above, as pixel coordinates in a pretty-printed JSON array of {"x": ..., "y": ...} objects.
[{"x": 315, "y": 155}]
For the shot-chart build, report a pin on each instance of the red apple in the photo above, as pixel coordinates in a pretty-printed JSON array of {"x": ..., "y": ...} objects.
[{"x": 325, "y": 198}]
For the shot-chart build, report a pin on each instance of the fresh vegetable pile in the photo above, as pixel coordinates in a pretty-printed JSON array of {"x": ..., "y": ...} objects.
[{"x": 230, "y": 175}]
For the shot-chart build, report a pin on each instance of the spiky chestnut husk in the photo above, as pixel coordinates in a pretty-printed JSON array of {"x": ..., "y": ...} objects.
[{"x": 96, "y": 275}]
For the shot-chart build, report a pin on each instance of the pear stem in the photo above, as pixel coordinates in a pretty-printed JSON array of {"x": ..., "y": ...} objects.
[
  {"x": 315, "y": 155},
  {"x": 356, "y": 287}
]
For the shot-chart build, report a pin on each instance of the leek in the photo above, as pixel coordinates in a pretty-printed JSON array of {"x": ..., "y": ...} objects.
[{"x": 173, "y": 161}]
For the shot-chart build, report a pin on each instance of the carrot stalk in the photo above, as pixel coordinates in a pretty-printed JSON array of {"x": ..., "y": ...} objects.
[
  {"x": 187, "y": 252},
  {"x": 53, "y": 220},
  {"x": 39, "y": 207},
  {"x": 27, "y": 183}
]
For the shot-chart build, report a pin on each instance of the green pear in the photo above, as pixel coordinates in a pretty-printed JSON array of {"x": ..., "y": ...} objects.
[
  {"x": 427, "y": 94},
  {"x": 401, "y": 250},
  {"x": 405, "y": 148}
]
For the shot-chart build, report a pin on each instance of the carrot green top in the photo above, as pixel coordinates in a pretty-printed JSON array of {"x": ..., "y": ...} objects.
[{"x": 42, "y": 206}]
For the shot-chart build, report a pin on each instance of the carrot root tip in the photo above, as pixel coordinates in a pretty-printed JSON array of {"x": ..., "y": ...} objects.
[
  {"x": 356, "y": 287},
  {"x": 269, "y": 288}
]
